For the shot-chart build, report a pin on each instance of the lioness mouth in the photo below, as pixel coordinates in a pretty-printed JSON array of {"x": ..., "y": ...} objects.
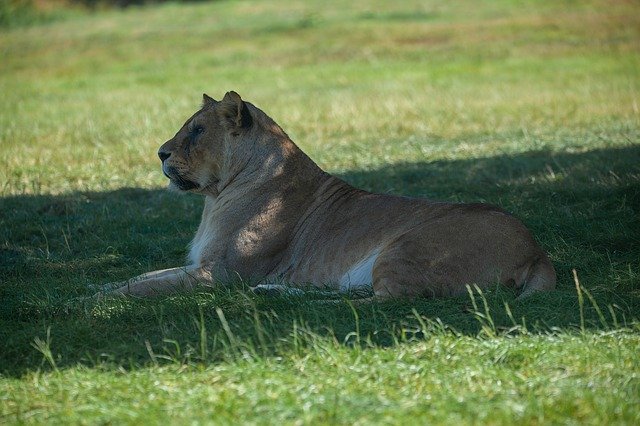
[
  {"x": 185, "y": 185},
  {"x": 182, "y": 183}
]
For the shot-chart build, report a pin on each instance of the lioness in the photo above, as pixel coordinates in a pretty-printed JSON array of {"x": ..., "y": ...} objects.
[{"x": 271, "y": 215}]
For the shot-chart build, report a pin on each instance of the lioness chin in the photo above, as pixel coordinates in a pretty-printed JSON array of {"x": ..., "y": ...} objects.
[{"x": 271, "y": 215}]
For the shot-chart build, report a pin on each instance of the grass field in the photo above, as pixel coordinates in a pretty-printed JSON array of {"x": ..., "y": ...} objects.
[{"x": 531, "y": 105}]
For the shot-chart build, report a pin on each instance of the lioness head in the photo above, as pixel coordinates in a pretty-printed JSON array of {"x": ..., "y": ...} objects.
[{"x": 197, "y": 158}]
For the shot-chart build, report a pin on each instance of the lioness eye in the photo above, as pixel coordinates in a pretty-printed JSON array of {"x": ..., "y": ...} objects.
[{"x": 197, "y": 130}]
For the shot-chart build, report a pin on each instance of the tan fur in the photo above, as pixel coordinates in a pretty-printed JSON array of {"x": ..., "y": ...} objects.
[{"x": 271, "y": 215}]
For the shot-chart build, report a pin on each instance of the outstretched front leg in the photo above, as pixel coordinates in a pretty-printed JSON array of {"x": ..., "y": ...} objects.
[{"x": 165, "y": 281}]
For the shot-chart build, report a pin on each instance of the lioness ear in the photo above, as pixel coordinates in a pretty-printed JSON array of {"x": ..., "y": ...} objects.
[
  {"x": 235, "y": 111},
  {"x": 207, "y": 100}
]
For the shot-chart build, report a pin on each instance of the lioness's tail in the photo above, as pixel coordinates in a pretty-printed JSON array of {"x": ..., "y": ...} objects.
[{"x": 541, "y": 277}]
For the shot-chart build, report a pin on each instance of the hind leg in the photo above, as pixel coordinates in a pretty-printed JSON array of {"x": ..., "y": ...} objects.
[
  {"x": 418, "y": 266},
  {"x": 408, "y": 269}
]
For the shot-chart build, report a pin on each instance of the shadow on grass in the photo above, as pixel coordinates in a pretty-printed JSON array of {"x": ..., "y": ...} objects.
[{"x": 583, "y": 207}]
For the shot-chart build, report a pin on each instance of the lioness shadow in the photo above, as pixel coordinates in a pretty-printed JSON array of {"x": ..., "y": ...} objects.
[{"x": 582, "y": 207}]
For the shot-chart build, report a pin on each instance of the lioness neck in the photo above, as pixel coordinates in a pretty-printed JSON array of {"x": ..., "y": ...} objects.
[
  {"x": 275, "y": 166},
  {"x": 255, "y": 212}
]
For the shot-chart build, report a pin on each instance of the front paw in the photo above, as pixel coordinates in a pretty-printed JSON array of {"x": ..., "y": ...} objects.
[
  {"x": 103, "y": 291},
  {"x": 106, "y": 288}
]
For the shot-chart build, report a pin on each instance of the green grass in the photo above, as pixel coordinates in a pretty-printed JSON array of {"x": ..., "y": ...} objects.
[
  {"x": 529, "y": 379},
  {"x": 530, "y": 105}
]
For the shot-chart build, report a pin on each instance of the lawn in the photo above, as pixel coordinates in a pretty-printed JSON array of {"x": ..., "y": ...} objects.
[{"x": 530, "y": 105}]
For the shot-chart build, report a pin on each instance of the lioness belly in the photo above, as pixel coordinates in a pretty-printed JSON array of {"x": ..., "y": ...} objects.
[{"x": 360, "y": 275}]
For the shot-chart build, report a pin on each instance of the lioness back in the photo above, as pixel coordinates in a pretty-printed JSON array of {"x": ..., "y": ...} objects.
[{"x": 411, "y": 247}]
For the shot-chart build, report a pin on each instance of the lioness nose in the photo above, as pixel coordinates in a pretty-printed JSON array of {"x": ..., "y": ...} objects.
[{"x": 163, "y": 155}]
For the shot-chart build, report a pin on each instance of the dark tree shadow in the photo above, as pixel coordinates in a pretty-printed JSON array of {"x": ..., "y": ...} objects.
[{"x": 583, "y": 207}]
